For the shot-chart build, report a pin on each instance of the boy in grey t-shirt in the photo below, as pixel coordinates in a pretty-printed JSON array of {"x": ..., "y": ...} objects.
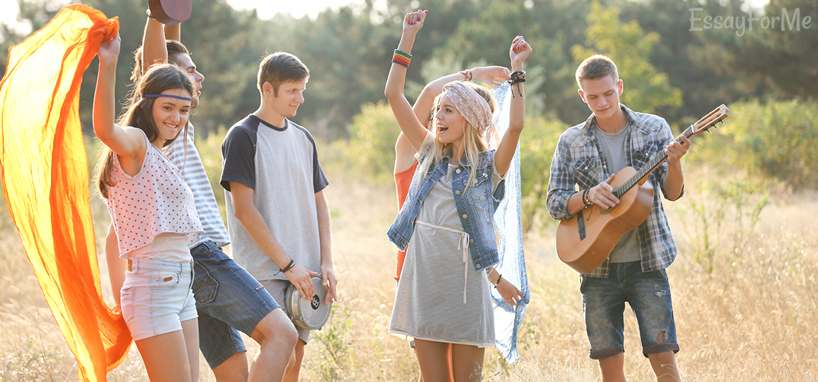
[{"x": 277, "y": 215}]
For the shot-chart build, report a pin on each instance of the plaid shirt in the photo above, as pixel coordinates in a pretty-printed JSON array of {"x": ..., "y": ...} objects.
[{"x": 579, "y": 161}]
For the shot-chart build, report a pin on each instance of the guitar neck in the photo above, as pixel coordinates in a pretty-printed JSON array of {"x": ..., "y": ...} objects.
[{"x": 652, "y": 164}]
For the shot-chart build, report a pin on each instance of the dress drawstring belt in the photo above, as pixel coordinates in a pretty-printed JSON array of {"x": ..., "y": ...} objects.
[{"x": 463, "y": 246}]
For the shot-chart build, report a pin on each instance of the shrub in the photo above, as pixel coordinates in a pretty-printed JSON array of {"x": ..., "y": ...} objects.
[
  {"x": 373, "y": 133},
  {"x": 778, "y": 139},
  {"x": 537, "y": 145}
]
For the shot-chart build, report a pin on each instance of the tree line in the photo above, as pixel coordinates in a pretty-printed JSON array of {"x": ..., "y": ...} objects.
[{"x": 670, "y": 63}]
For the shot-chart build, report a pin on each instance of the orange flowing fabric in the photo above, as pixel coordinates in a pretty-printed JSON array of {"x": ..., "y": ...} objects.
[{"x": 45, "y": 179}]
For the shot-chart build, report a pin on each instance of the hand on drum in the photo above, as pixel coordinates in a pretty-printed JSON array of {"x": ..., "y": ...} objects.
[
  {"x": 300, "y": 278},
  {"x": 329, "y": 281}
]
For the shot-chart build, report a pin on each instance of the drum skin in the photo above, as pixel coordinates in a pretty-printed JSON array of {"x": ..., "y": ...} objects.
[
  {"x": 308, "y": 314},
  {"x": 170, "y": 12}
]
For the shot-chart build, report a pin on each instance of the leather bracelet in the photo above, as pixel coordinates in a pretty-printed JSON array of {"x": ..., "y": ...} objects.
[
  {"x": 586, "y": 199},
  {"x": 516, "y": 77},
  {"x": 498, "y": 281},
  {"x": 289, "y": 266}
]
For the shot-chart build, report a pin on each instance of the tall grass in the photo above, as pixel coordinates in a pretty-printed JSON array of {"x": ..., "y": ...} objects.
[{"x": 745, "y": 302}]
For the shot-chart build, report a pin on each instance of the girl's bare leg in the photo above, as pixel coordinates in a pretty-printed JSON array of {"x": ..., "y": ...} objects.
[
  {"x": 434, "y": 359},
  {"x": 166, "y": 356},
  {"x": 467, "y": 362}
]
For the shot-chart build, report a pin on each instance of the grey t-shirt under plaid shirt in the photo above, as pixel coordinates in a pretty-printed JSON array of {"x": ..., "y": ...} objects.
[{"x": 577, "y": 161}]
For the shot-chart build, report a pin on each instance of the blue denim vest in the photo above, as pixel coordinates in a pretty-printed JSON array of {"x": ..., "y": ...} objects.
[{"x": 476, "y": 210}]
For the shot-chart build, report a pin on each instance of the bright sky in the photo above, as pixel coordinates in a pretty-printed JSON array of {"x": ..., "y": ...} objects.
[{"x": 266, "y": 8}]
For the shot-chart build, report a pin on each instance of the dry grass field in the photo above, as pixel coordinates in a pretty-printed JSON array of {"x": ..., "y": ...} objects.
[{"x": 744, "y": 287}]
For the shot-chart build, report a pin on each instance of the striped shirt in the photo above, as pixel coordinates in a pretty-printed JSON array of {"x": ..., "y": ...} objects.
[
  {"x": 190, "y": 164},
  {"x": 578, "y": 160}
]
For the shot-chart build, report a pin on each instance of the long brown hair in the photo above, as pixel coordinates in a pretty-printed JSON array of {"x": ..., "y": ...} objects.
[{"x": 139, "y": 113}]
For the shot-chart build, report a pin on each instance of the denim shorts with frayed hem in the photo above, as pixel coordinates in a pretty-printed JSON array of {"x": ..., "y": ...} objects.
[
  {"x": 156, "y": 297},
  {"x": 229, "y": 300},
  {"x": 648, "y": 293}
]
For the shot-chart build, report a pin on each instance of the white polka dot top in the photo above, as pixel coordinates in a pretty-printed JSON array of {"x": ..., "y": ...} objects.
[{"x": 154, "y": 201}]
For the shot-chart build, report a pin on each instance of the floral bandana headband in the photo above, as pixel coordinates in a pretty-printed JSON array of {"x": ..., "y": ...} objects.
[{"x": 473, "y": 107}]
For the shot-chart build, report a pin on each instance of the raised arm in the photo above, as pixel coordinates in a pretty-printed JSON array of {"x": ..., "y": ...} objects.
[
  {"x": 518, "y": 52},
  {"x": 488, "y": 74},
  {"x": 126, "y": 143},
  {"x": 409, "y": 123},
  {"x": 154, "y": 47},
  {"x": 491, "y": 75}
]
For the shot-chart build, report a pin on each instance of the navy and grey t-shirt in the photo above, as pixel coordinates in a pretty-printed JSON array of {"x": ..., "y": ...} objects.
[{"x": 281, "y": 165}]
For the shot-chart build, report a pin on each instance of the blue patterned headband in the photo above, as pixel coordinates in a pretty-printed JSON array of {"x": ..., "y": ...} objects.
[{"x": 166, "y": 95}]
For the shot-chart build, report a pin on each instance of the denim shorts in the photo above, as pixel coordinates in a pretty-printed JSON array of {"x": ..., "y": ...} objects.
[
  {"x": 229, "y": 300},
  {"x": 603, "y": 301},
  {"x": 278, "y": 289},
  {"x": 156, "y": 297}
]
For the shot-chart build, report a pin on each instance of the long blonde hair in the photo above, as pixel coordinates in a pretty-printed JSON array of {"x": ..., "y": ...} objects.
[{"x": 474, "y": 142}]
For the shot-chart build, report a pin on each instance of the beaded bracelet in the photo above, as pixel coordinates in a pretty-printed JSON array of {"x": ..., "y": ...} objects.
[
  {"x": 467, "y": 74},
  {"x": 289, "y": 266},
  {"x": 402, "y": 58},
  {"x": 586, "y": 198}
]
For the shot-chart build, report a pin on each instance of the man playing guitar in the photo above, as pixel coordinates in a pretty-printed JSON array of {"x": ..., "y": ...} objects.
[{"x": 588, "y": 155}]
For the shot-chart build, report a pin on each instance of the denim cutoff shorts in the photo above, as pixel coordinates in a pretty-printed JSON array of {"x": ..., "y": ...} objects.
[
  {"x": 156, "y": 297},
  {"x": 228, "y": 299},
  {"x": 603, "y": 302}
]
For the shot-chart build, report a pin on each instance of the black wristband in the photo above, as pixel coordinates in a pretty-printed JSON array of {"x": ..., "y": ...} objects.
[
  {"x": 289, "y": 266},
  {"x": 586, "y": 198},
  {"x": 516, "y": 77}
]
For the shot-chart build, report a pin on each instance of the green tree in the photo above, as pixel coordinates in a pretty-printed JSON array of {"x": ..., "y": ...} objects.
[
  {"x": 630, "y": 47},
  {"x": 372, "y": 140},
  {"x": 537, "y": 145},
  {"x": 779, "y": 60},
  {"x": 550, "y": 26},
  {"x": 683, "y": 54}
]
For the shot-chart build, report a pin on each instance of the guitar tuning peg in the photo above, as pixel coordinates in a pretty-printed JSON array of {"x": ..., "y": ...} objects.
[{"x": 709, "y": 132}]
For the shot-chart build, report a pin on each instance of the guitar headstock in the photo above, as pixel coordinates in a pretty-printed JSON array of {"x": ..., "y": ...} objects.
[{"x": 710, "y": 120}]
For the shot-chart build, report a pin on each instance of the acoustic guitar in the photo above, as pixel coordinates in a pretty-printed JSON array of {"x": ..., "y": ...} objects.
[{"x": 585, "y": 240}]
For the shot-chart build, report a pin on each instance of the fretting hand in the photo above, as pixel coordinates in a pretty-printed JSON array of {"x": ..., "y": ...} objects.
[{"x": 675, "y": 151}]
